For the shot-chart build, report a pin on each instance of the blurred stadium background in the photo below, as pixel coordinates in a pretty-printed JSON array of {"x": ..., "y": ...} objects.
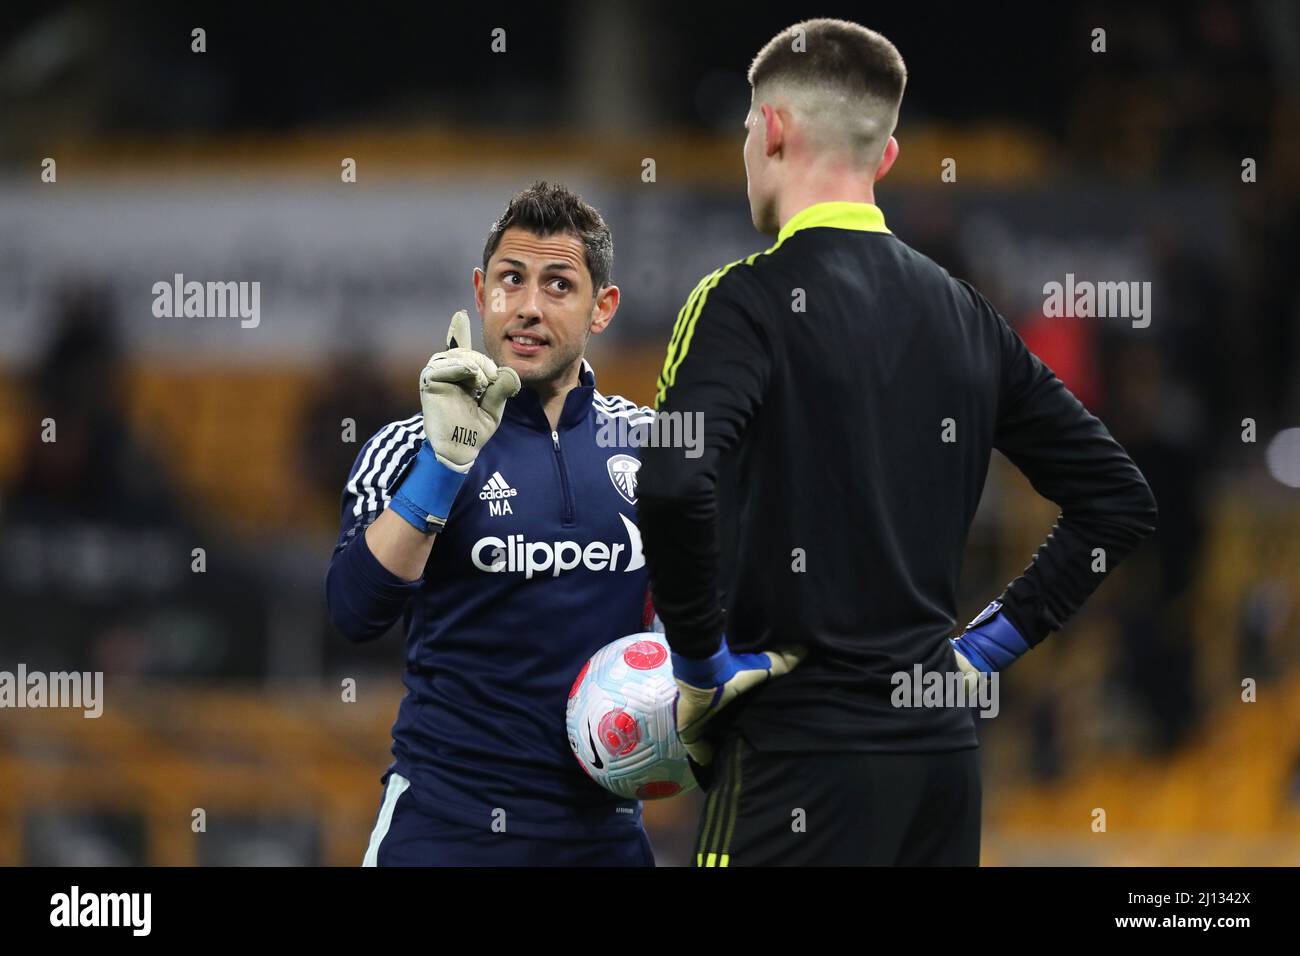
[{"x": 222, "y": 688}]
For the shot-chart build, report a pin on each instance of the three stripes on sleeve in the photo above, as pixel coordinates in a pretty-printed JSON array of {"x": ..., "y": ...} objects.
[{"x": 381, "y": 460}]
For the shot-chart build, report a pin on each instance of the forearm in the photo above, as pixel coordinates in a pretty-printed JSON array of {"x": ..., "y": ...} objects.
[
  {"x": 373, "y": 574},
  {"x": 678, "y": 523},
  {"x": 1070, "y": 458},
  {"x": 1087, "y": 543},
  {"x": 399, "y": 546},
  {"x": 365, "y": 597}
]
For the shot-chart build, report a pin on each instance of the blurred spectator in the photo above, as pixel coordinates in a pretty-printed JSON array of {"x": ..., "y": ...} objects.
[
  {"x": 352, "y": 399},
  {"x": 95, "y": 469},
  {"x": 97, "y": 561}
]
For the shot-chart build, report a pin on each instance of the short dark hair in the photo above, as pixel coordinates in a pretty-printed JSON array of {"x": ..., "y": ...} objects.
[
  {"x": 547, "y": 208},
  {"x": 833, "y": 53}
]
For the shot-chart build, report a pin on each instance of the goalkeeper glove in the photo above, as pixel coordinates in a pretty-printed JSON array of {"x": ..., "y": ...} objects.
[
  {"x": 989, "y": 643},
  {"x": 706, "y": 685},
  {"x": 463, "y": 395}
]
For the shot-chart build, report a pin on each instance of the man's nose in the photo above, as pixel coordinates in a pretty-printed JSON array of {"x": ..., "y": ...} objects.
[{"x": 530, "y": 307}]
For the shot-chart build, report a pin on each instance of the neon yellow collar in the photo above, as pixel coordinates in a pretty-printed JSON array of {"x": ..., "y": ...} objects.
[{"x": 859, "y": 216}]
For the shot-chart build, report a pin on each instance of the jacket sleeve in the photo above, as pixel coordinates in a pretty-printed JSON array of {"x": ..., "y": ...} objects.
[
  {"x": 717, "y": 368},
  {"x": 1071, "y": 459},
  {"x": 364, "y": 597}
]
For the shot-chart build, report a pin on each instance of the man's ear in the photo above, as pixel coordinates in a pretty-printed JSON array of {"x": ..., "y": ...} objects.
[
  {"x": 773, "y": 130},
  {"x": 602, "y": 311},
  {"x": 887, "y": 160},
  {"x": 480, "y": 291}
]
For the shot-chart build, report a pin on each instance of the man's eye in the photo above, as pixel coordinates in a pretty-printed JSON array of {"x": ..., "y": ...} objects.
[
  {"x": 561, "y": 285},
  {"x": 510, "y": 277}
]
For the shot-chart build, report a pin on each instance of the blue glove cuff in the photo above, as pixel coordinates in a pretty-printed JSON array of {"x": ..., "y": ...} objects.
[
  {"x": 427, "y": 492},
  {"x": 710, "y": 671},
  {"x": 991, "y": 642}
]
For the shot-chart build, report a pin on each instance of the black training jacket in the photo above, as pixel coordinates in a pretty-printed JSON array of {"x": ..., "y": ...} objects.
[{"x": 851, "y": 394}]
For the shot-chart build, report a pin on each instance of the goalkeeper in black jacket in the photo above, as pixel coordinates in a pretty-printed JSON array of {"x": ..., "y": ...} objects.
[{"x": 851, "y": 395}]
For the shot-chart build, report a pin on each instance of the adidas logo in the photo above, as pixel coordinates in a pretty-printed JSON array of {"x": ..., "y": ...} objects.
[
  {"x": 494, "y": 492},
  {"x": 497, "y": 487}
]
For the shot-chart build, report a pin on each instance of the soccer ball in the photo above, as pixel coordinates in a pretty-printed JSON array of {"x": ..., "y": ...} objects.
[{"x": 620, "y": 720}]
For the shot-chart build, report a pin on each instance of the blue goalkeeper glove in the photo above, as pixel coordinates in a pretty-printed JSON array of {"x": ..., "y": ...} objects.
[
  {"x": 989, "y": 643},
  {"x": 706, "y": 685}
]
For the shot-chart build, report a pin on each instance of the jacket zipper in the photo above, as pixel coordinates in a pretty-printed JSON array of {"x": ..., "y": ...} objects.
[{"x": 566, "y": 491}]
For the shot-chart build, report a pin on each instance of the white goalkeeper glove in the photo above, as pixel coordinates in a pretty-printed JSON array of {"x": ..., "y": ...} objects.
[
  {"x": 705, "y": 686},
  {"x": 463, "y": 395}
]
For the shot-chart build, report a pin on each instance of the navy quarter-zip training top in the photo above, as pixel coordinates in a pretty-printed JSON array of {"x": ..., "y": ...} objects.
[{"x": 538, "y": 567}]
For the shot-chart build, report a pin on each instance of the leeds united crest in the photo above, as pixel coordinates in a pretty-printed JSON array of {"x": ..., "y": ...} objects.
[{"x": 622, "y": 472}]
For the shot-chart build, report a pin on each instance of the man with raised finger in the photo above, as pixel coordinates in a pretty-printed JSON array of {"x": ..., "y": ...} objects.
[{"x": 499, "y": 525}]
